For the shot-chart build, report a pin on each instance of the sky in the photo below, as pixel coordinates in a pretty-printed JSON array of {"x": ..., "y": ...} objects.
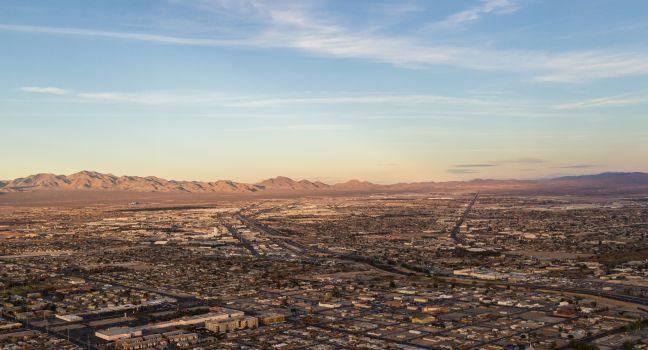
[{"x": 385, "y": 91}]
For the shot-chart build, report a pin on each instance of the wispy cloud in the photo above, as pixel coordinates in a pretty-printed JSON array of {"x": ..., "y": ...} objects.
[
  {"x": 44, "y": 90},
  {"x": 522, "y": 161},
  {"x": 472, "y": 168},
  {"x": 360, "y": 99},
  {"x": 575, "y": 166},
  {"x": 304, "y": 127},
  {"x": 118, "y": 35},
  {"x": 216, "y": 98},
  {"x": 152, "y": 97},
  {"x": 501, "y": 162},
  {"x": 296, "y": 26},
  {"x": 138, "y": 97},
  {"x": 473, "y": 14},
  {"x": 469, "y": 168},
  {"x": 613, "y": 101},
  {"x": 462, "y": 171},
  {"x": 479, "y": 165}
]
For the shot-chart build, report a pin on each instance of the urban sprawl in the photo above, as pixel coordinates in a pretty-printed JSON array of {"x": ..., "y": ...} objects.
[{"x": 434, "y": 271}]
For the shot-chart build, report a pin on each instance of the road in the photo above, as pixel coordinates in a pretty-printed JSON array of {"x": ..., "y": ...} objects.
[
  {"x": 46, "y": 330},
  {"x": 242, "y": 239},
  {"x": 397, "y": 270},
  {"x": 594, "y": 337},
  {"x": 592, "y": 292},
  {"x": 454, "y": 234}
]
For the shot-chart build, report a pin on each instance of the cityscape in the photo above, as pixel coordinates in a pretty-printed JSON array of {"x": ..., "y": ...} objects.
[
  {"x": 324, "y": 175},
  {"x": 456, "y": 269}
]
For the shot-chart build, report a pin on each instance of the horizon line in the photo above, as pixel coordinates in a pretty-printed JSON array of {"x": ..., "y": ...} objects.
[{"x": 311, "y": 179}]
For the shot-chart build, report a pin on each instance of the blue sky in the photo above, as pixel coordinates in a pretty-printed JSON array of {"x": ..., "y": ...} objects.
[{"x": 329, "y": 90}]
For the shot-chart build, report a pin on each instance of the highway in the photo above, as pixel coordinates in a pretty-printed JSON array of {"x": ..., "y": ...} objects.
[
  {"x": 397, "y": 270},
  {"x": 592, "y": 292},
  {"x": 279, "y": 238},
  {"x": 242, "y": 239},
  {"x": 454, "y": 234}
]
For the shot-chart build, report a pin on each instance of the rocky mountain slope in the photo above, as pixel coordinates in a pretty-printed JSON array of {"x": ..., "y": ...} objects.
[{"x": 91, "y": 180}]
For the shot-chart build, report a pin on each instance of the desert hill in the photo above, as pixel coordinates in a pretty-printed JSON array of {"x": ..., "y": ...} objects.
[{"x": 612, "y": 182}]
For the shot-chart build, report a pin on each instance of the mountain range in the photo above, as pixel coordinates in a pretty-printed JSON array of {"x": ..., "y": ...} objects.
[{"x": 612, "y": 182}]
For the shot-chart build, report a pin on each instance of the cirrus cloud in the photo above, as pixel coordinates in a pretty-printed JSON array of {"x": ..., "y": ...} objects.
[
  {"x": 296, "y": 26},
  {"x": 475, "y": 13},
  {"x": 45, "y": 90}
]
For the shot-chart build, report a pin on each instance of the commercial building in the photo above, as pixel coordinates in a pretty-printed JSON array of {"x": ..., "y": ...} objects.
[
  {"x": 232, "y": 324},
  {"x": 216, "y": 314}
]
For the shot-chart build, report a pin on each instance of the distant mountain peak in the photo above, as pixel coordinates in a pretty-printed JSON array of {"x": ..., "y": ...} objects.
[
  {"x": 605, "y": 175},
  {"x": 356, "y": 185},
  {"x": 358, "y": 182},
  {"x": 609, "y": 182},
  {"x": 285, "y": 183}
]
